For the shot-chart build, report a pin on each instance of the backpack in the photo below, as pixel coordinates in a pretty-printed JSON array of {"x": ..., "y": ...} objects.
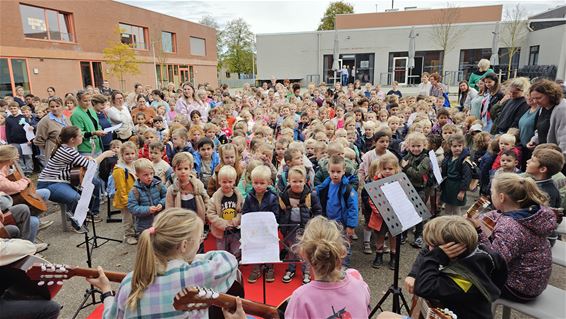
[
  {"x": 307, "y": 202},
  {"x": 474, "y": 183}
]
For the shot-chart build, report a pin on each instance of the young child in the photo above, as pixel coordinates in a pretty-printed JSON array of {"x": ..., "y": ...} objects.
[
  {"x": 280, "y": 146},
  {"x": 323, "y": 246},
  {"x": 522, "y": 225},
  {"x": 339, "y": 198},
  {"x": 229, "y": 155},
  {"x": 149, "y": 136},
  {"x": 224, "y": 212},
  {"x": 147, "y": 197},
  {"x": 336, "y": 148},
  {"x": 458, "y": 175},
  {"x": 168, "y": 248},
  {"x": 506, "y": 143},
  {"x": 297, "y": 205},
  {"x": 508, "y": 163},
  {"x": 177, "y": 144},
  {"x": 544, "y": 164},
  {"x": 245, "y": 184},
  {"x": 293, "y": 158},
  {"x": 455, "y": 271},
  {"x": 162, "y": 169},
  {"x": 206, "y": 159},
  {"x": 381, "y": 141},
  {"x": 261, "y": 199},
  {"x": 16, "y": 135},
  {"x": 124, "y": 176}
]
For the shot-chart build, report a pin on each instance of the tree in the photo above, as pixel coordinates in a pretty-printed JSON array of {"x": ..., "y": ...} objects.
[
  {"x": 211, "y": 22},
  {"x": 334, "y": 8},
  {"x": 514, "y": 33},
  {"x": 239, "y": 42},
  {"x": 121, "y": 59},
  {"x": 444, "y": 33}
]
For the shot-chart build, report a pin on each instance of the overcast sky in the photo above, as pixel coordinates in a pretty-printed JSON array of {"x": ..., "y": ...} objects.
[{"x": 297, "y": 16}]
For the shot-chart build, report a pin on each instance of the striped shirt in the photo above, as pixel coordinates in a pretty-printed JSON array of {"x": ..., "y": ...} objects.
[
  {"x": 58, "y": 168},
  {"x": 216, "y": 270}
]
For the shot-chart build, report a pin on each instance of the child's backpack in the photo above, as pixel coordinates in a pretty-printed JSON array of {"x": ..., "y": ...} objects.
[{"x": 474, "y": 183}]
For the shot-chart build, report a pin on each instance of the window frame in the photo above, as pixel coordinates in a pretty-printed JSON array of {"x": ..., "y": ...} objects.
[
  {"x": 91, "y": 70},
  {"x": 145, "y": 36},
  {"x": 191, "y": 47},
  {"x": 533, "y": 56},
  {"x": 69, "y": 19},
  {"x": 173, "y": 42},
  {"x": 11, "y": 72}
]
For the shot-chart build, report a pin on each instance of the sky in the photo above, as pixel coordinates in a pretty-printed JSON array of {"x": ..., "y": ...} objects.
[{"x": 299, "y": 16}]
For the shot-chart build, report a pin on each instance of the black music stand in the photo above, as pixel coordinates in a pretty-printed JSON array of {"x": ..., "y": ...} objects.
[{"x": 393, "y": 220}]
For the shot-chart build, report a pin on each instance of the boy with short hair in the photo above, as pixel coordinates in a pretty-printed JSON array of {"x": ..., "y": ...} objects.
[
  {"x": 508, "y": 164},
  {"x": 366, "y": 141},
  {"x": 162, "y": 169},
  {"x": 261, "y": 199},
  {"x": 206, "y": 159},
  {"x": 16, "y": 135},
  {"x": 506, "y": 142},
  {"x": 339, "y": 198},
  {"x": 336, "y": 148},
  {"x": 544, "y": 163},
  {"x": 293, "y": 158},
  {"x": 224, "y": 212},
  {"x": 147, "y": 197}
]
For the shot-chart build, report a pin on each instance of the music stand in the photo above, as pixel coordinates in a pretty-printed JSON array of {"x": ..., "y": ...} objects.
[{"x": 397, "y": 222}]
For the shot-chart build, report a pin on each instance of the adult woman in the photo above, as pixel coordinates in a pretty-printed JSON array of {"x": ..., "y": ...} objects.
[
  {"x": 513, "y": 105},
  {"x": 141, "y": 107},
  {"x": 99, "y": 104},
  {"x": 493, "y": 95},
  {"x": 84, "y": 117},
  {"x": 118, "y": 113},
  {"x": 50, "y": 92},
  {"x": 424, "y": 86},
  {"x": 483, "y": 70},
  {"x": 551, "y": 122},
  {"x": 437, "y": 89},
  {"x": 527, "y": 122},
  {"x": 465, "y": 95},
  {"x": 477, "y": 101},
  {"x": 49, "y": 127},
  {"x": 20, "y": 98},
  {"x": 189, "y": 102}
]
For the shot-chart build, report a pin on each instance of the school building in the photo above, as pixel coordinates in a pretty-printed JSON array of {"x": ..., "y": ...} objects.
[
  {"x": 60, "y": 44},
  {"x": 376, "y": 46}
]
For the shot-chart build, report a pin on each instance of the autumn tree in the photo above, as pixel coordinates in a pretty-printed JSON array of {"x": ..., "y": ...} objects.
[
  {"x": 121, "y": 59},
  {"x": 334, "y": 8},
  {"x": 239, "y": 42},
  {"x": 514, "y": 33},
  {"x": 444, "y": 33},
  {"x": 211, "y": 22}
]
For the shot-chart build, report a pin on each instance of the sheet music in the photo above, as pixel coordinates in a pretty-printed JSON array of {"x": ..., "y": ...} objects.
[
  {"x": 86, "y": 194},
  {"x": 260, "y": 243},
  {"x": 401, "y": 204},
  {"x": 435, "y": 167},
  {"x": 112, "y": 128},
  {"x": 30, "y": 135},
  {"x": 26, "y": 149}
]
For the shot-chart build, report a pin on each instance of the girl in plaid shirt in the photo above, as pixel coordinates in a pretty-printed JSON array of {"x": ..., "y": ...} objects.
[{"x": 167, "y": 262}]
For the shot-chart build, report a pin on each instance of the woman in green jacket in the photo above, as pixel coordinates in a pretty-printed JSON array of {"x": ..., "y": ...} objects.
[{"x": 85, "y": 118}]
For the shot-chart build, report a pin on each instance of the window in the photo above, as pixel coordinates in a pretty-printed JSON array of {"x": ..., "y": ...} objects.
[
  {"x": 46, "y": 24},
  {"x": 533, "y": 54},
  {"x": 91, "y": 73},
  {"x": 134, "y": 36},
  {"x": 13, "y": 72},
  {"x": 198, "y": 46},
  {"x": 168, "y": 44}
]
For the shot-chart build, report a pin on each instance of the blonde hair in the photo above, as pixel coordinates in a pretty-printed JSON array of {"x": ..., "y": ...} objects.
[
  {"x": 182, "y": 157},
  {"x": 8, "y": 153},
  {"x": 445, "y": 229},
  {"x": 300, "y": 170},
  {"x": 322, "y": 245},
  {"x": 228, "y": 172},
  {"x": 383, "y": 160},
  {"x": 249, "y": 169},
  {"x": 484, "y": 64},
  {"x": 509, "y": 138},
  {"x": 172, "y": 227},
  {"x": 415, "y": 137},
  {"x": 127, "y": 146},
  {"x": 143, "y": 163},
  {"x": 262, "y": 172},
  {"x": 521, "y": 190}
]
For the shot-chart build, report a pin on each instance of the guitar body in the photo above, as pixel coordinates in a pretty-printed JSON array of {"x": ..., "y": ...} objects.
[
  {"x": 8, "y": 220},
  {"x": 28, "y": 195},
  {"x": 14, "y": 279},
  {"x": 474, "y": 212},
  {"x": 422, "y": 309},
  {"x": 77, "y": 174}
]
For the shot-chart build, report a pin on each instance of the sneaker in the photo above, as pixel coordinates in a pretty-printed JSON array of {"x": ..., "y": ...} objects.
[
  {"x": 418, "y": 243},
  {"x": 270, "y": 275},
  {"x": 41, "y": 247},
  {"x": 131, "y": 240},
  {"x": 288, "y": 276},
  {"x": 378, "y": 261},
  {"x": 367, "y": 248},
  {"x": 306, "y": 278},
  {"x": 44, "y": 224},
  {"x": 354, "y": 236},
  {"x": 254, "y": 275},
  {"x": 94, "y": 218}
]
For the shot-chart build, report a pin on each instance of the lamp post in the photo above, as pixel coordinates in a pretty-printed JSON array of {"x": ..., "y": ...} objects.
[{"x": 154, "y": 64}]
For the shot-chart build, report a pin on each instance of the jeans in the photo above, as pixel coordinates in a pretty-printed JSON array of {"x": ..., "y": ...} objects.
[
  {"x": 25, "y": 161},
  {"x": 28, "y": 309},
  {"x": 64, "y": 193},
  {"x": 26, "y": 223}
]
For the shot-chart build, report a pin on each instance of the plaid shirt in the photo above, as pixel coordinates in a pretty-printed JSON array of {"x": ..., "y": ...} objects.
[{"x": 215, "y": 269}]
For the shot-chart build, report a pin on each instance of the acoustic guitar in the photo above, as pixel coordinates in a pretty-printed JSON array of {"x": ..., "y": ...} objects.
[
  {"x": 422, "y": 309},
  {"x": 474, "y": 212},
  {"x": 28, "y": 195},
  {"x": 77, "y": 175},
  {"x": 8, "y": 220},
  {"x": 15, "y": 280},
  {"x": 54, "y": 274}
]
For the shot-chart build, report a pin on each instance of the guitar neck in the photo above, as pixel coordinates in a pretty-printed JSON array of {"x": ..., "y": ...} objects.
[{"x": 93, "y": 273}]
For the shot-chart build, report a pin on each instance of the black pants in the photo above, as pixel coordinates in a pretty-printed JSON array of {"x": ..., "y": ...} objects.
[{"x": 29, "y": 309}]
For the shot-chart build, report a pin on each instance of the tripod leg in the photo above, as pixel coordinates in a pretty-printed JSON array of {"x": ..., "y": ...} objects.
[
  {"x": 380, "y": 302},
  {"x": 405, "y": 304}
]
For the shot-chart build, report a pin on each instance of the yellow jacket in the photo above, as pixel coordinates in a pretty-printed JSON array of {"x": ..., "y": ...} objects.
[{"x": 123, "y": 185}]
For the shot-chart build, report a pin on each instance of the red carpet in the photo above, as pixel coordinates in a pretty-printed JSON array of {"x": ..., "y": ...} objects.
[{"x": 276, "y": 291}]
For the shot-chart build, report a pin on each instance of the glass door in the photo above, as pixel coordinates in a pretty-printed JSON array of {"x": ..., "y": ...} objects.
[
  {"x": 184, "y": 74},
  {"x": 400, "y": 73}
]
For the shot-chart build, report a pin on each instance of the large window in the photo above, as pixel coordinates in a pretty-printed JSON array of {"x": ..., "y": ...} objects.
[
  {"x": 533, "y": 54},
  {"x": 134, "y": 36},
  {"x": 198, "y": 46},
  {"x": 91, "y": 73},
  {"x": 13, "y": 72},
  {"x": 46, "y": 24},
  {"x": 363, "y": 67},
  {"x": 168, "y": 44}
]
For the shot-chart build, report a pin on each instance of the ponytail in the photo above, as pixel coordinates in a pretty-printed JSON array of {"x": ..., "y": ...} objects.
[
  {"x": 145, "y": 269},
  {"x": 521, "y": 190},
  {"x": 66, "y": 134}
]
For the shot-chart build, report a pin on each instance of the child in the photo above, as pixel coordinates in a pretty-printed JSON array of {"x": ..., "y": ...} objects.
[
  {"x": 160, "y": 127},
  {"x": 177, "y": 144},
  {"x": 458, "y": 175},
  {"x": 168, "y": 248},
  {"x": 162, "y": 169},
  {"x": 545, "y": 163},
  {"x": 336, "y": 148},
  {"x": 16, "y": 135},
  {"x": 522, "y": 225},
  {"x": 339, "y": 198},
  {"x": 366, "y": 142},
  {"x": 149, "y": 137},
  {"x": 223, "y": 212},
  {"x": 245, "y": 184},
  {"x": 506, "y": 142},
  {"x": 381, "y": 143},
  {"x": 387, "y": 165},
  {"x": 124, "y": 176},
  {"x": 206, "y": 159},
  {"x": 323, "y": 246},
  {"x": 416, "y": 164},
  {"x": 261, "y": 199},
  {"x": 280, "y": 146},
  {"x": 293, "y": 158},
  {"x": 455, "y": 271},
  {"x": 297, "y": 205},
  {"x": 229, "y": 155},
  {"x": 186, "y": 191},
  {"x": 508, "y": 163},
  {"x": 147, "y": 197}
]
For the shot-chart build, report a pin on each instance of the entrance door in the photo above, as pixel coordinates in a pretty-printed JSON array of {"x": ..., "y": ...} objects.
[
  {"x": 400, "y": 73},
  {"x": 184, "y": 73}
]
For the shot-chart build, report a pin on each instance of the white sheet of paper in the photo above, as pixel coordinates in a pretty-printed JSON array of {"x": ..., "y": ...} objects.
[
  {"x": 112, "y": 128},
  {"x": 401, "y": 204},
  {"x": 26, "y": 149},
  {"x": 86, "y": 194},
  {"x": 30, "y": 135},
  {"x": 260, "y": 243},
  {"x": 435, "y": 167}
]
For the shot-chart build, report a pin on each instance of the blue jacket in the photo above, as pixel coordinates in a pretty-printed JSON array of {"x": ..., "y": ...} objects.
[
  {"x": 141, "y": 197},
  {"x": 198, "y": 162},
  {"x": 269, "y": 203},
  {"x": 348, "y": 214},
  {"x": 170, "y": 150}
]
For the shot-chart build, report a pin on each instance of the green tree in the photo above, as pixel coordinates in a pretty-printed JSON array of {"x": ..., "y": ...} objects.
[
  {"x": 121, "y": 60},
  {"x": 211, "y": 22},
  {"x": 239, "y": 42},
  {"x": 334, "y": 8}
]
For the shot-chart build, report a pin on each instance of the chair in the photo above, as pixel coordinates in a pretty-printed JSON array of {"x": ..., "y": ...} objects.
[
  {"x": 549, "y": 305},
  {"x": 559, "y": 253},
  {"x": 561, "y": 228},
  {"x": 64, "y": 224}
]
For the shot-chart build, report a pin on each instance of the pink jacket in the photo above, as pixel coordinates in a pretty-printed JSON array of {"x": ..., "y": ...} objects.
[{"x": 9, "y": 187}]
